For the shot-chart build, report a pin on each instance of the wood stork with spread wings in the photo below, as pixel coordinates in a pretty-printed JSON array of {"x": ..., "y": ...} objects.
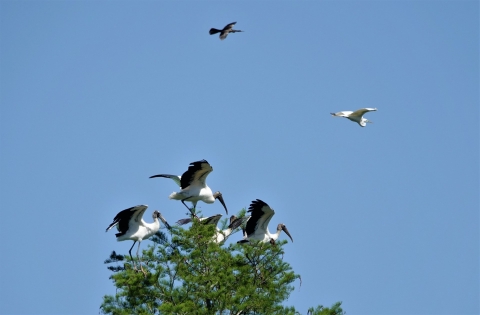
[
  {"x": 225, "y": 31},
  {"x": 220, "y": 235},
  {"x": 356, "y": 116},
  {"x": 131, "y": 226},
  {"x": 193, "y": 186},
  {"x": 257, "y": 224}
]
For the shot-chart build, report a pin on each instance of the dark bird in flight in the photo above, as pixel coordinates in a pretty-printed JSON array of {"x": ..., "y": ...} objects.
[{"x": 225, "y": 31}]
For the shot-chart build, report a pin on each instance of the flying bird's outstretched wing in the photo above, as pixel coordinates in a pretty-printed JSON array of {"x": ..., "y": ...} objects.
[
  {"x": 361, "y": 111},
  {"x": 261, "y": 214},
  {"x": 197, "y": 171}
]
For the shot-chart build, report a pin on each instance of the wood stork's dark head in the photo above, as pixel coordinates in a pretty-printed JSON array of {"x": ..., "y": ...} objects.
[
  {"x": 218, "y": 195},
  {"x": 282, "y": 227}
]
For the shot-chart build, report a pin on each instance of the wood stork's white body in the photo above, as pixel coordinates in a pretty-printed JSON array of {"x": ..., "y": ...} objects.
[
  {"x": 131, "y": 226},
  {"x": 193, "y": 185},
  {"x": 194, "y": 193},
  {"x": 356, "y": 116},
  {"x": 257, "y": 224}
]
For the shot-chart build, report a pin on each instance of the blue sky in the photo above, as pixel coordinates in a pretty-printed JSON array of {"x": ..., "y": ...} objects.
[{"x": 96, "y": 96}]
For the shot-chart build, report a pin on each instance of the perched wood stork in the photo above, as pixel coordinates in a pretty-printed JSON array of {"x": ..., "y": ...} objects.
[
  {"x": 131, "y": 226},
  {"x": 225, "y": 31},
  {"x": 193, "y": 186},
  {"x": 257, "y": 224},
  {"x": 220, "y": 235},
  {"x": 356, "y": 116}
]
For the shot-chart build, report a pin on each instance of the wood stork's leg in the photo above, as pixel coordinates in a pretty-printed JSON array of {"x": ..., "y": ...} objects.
[
  {"x": 189, "y": 209},
  {"x": 130, "y": 252},
  {"x": 139, "y": 260}
]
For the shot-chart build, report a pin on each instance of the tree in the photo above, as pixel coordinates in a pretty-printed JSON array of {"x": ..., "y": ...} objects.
[
  {"x": 321, "y": 310},
  {"x": 188, "y": 273}
]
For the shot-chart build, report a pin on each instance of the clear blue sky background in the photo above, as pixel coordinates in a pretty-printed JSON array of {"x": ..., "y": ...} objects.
[{"x": 96, "y": 96}]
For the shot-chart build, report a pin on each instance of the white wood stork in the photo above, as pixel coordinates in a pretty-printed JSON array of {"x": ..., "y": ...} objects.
[
  {"x": 193, "y": 186},
  {"x": 131, "y": 226},
  {"x": 225, "y": 31},
  {"x": 220, "y": 235},
  {"x": 356, "y": 116},
  {"x": 257, "y": 224}
]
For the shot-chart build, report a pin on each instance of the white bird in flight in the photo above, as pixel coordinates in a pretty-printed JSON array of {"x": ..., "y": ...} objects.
[
  {"x": 131, "y": 226},
  {"x": 193, "y": 186},
  {"x": 257, "y": 224},
  {"x": 356, "y": 116}
]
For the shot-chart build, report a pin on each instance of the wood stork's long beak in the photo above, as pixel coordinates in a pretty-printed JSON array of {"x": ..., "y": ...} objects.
[
  {"x": 284, "y": 228},
  {"x": 164, "y": 221},
  {"x": 218, "y": 195}
]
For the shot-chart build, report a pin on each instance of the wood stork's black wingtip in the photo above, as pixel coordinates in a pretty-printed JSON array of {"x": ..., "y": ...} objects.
[
  {"x": 184, "y": 221},
  {"x": 236, "y": 223}
]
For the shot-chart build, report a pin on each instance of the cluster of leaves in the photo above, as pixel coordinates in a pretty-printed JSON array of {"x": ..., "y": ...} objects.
[{"x": 188, "y": 273}]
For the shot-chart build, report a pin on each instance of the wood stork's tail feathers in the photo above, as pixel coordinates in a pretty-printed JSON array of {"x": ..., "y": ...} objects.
[
  {"x": 214, "y": 31},
  {"x": 341, "y": 114},
  {"x": 176, "y": 196}
]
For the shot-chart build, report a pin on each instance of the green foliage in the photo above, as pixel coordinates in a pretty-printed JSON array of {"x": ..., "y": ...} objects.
[
  {"x": 188, "y": 273},
  {"x": 320, "y": 310}
]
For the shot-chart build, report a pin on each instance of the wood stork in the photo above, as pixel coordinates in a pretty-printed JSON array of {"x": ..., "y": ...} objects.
[
  {"x": 131, "y": 226},
  {"x": 225, "y": 31},
  {"x": 356, "y": 116},
  {"x": 220, "y": 235},
  {"x": 257, "y": 224},
  {"x": 193, "y": 186}
]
